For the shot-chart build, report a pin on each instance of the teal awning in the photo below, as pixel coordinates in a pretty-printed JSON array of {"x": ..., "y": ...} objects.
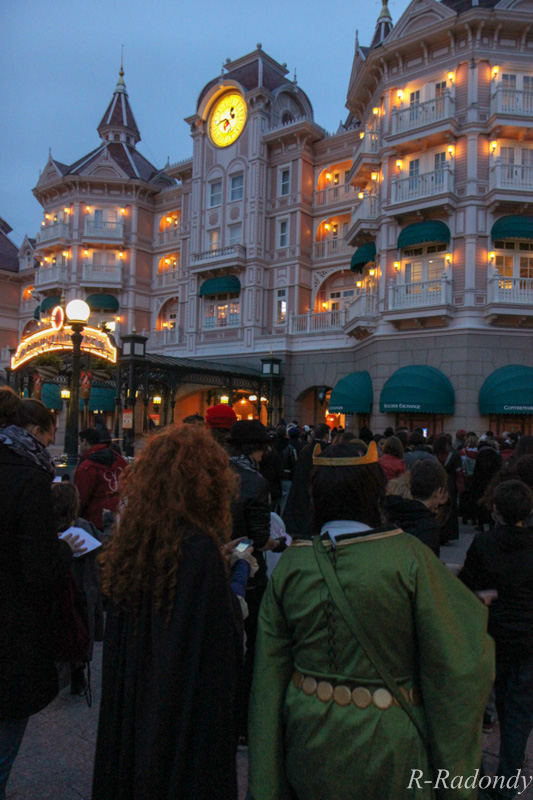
[
  {"x": 362, "y": 256},
  {"x": 418, "y": 389},
  {"x": 352, "y": 395},
  {"x": 227, "y": 283},
  {"x": 513, "y": 227},
  {"x": 50, "y": 302},
  {"x": 102, "y": 399},
  {"x": 37, "y": 312},
  {"x": 51, "y": 396},
  {"x": 508, "y": 390},
  {"x": 432, "y": 230},
  {"x": 102, "y": 302}
]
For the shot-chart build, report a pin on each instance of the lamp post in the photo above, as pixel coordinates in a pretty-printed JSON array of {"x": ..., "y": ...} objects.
[
  {"x": 65, "y": 395},
  {"x": 77, "y": 312}
]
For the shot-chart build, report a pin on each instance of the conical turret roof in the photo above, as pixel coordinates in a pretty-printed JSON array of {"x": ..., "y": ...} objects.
[{"x": 118, "y": 123}]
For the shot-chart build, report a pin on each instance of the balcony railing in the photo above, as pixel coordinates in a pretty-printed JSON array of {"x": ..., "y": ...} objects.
[
  {"x": 421, "y": 293},
  {"x": 363, "y": 306},
  {"x": 58, "y": 230},
  {"x": 420, "y": 114},
  {"x": 168, "y": 278},
  {"x": 220, "y": 323},
  {"x": 334, "y": 194},
  {"x": 512, "y": 101},
  {"x": 50, "y": 276},
  {"x": 165, "y": 336},
  {"x": 102, "y": 273},
  {"x": 218, "y": 254},
  {"x": 170, "y": 236},
  {"x": 511, "y": 176},
  {"x": 113, "y": 231},
  {"x": 317, "y": 323},
  {"x": 330, "y": 248},
  {"x": 425, "y": 185},
  {"x": 368, "y": 208},
  {"x": 510, "y": 290}
]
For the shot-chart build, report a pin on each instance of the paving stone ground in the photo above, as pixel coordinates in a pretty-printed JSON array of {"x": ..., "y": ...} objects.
[{"x": 55, "y": 760}]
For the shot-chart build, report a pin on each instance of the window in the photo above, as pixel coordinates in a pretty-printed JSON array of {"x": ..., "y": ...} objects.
[
  {"x": 172, "y": 321},
  {"x": 222, "y": 311},
  {"x": 237, "y": 187},
  {"x": 284, "y": 181},
  {"x": 215, "y": 193},
  {"x": 414, "y": 103},
  {"x": 213, "y": 239},
  {"x": 338, "y": 298},
  {"x": 440, "y": 165},
  {"x": 235, "y": 234},
  {"x": 283, "y": 233},
  {"x": 414, "y": 180},
  {"x": 516, "y": 262},
  {"x": 424, "y": 263},
  {"x": 281, "y": 306},
  {"x": 440, "y": 91}
]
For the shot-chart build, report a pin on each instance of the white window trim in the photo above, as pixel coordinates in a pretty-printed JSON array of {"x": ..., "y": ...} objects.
[
  {"x": 210, "y": 204},
  {"x": 279, "y": 222},
  {"x": 231, "y": 177},
  {"x": 281, "y": 170}
]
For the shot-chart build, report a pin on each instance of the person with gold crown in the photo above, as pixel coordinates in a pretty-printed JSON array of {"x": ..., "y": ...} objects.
[{"x": 373, "y": 663}]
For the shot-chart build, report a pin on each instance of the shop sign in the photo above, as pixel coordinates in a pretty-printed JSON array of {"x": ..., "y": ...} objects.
[{"x": 402, "y": 407}]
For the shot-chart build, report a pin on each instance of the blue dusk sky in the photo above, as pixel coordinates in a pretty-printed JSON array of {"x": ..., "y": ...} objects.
[{"x": 59, "y": 63}]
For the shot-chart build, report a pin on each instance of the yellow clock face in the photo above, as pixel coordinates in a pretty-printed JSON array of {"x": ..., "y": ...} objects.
[{"x": 227, "y": 119}]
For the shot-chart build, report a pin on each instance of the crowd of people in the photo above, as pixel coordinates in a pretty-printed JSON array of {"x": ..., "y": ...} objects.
[{"x": 360, "y": 667}]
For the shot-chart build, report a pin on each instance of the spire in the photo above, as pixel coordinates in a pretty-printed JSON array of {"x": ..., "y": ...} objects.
[
  {"x": 383, "y": 25},
  {"x": 385, "y": 13},
  {"x": 118, "y": 123}
]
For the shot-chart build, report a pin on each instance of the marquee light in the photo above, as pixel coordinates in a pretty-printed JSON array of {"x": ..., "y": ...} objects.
[{"x": 58, "y": 337}]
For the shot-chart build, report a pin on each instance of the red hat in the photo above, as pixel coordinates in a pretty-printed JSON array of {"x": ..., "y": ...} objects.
[{"x": 220, "y": 416}]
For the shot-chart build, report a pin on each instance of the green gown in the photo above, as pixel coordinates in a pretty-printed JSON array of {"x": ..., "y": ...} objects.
[{"x": 428, "y": 628}]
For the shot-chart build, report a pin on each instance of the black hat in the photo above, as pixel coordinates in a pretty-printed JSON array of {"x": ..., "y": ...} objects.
[{"x": 248, "y": 431}]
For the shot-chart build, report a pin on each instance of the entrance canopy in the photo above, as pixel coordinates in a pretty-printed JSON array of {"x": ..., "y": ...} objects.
[
  {"x": 418, "y": 388},
  {"x": 352, "y": 395},
  {"x": 226, "y": 283},
  {"x": 431, "y": 230},
  {"x": 508, "y": 390},
  {"x": 513, "y": 227},
  {"x": 362, "y": 256},
  {"x": 102, "y": 398}
]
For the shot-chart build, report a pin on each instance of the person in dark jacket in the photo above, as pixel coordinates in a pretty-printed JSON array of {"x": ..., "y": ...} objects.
[
  {"x": 32, "y": 560},
  {"x": 502, "y": 560},
  {"x": 97, "y": 477},
  {"x": 417, "y": 516},
  {"x": 417, "y": 450},
  {"x": 283, "y": 448},
  {"x": 296, "y": 514},
  {"x": 488, "y": 463},
  {"x": 451, "y": 461}
]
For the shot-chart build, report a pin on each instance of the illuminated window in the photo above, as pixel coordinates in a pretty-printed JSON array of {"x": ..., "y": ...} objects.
[
  {"x": 222, "y": 311},
  {"x": 424, "y": 263},
  {"x": 213, "y": 239},
  {"x": 281, "y": 306},
  {"x": 236, "y": 187},
  {"x": 215, "y": 193}
]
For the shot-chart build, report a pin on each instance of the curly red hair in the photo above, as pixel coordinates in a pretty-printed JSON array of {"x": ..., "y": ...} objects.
[{"x": 182, "y": 480}]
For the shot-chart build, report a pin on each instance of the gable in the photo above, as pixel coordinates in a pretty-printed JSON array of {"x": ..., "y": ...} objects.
[
  {"x": 418, "y": 15},
  {"x": 51, "y": 173},
  {"x": 104, "y": 166}
]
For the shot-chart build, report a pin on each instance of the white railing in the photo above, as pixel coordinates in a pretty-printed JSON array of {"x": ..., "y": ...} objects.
[
  {"x": 425, "y": 185},
  {"x": 363, "y": 306},
  {"x": 511, "y": 101},
  {"x": 511, "y": 176},
  {"x": 369, "y": 143},
  {"x": 329, "y": 248},
  {"x": 104, "y": 230},
  {"x": 510, "y": 290},
  {"x": 334, "y": 194},
  {"x": 165, "y": 336},
  {"x": 420, "y": 114},
  {"x": 58, "y": 230},
  {"x": 234, "y": 250},
  {"x": 214, "y": 323},
  {"x": 50, "y": 275},
  {"x": 420, "y": 293},
  {"x": 102, "y": 273},
  {"x": 368, "y": 208},
  {"x": 168, "y": 278},
  {"x": 316, "y": 323},
  {"x": 170, "y": 235}
]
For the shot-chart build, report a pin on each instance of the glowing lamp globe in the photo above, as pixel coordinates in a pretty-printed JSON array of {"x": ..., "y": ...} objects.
[{"x": 78, "y": 311}]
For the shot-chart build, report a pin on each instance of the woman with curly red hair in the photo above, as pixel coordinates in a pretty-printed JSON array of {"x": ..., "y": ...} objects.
[{"x": 167, "y": 717}]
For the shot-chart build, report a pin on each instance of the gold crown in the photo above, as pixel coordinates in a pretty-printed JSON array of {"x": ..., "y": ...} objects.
[{"x": 371, "y": 457}]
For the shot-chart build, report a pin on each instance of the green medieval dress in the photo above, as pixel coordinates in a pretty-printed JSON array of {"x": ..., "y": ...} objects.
[{"x": 431, "y": 633}]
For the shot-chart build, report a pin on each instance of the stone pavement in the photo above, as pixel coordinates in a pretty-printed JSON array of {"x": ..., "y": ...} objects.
[{"x": 55, "y": 760}]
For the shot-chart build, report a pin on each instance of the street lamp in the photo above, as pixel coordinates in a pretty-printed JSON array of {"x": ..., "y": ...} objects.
[{"x": 77, "y": 312}]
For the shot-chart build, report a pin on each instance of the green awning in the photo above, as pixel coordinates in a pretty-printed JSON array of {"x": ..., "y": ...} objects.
[
  {"x": 418, "y": 389},
  {"x": 352, "y": 395},
  {"x": 37, "y": 312},
  {"x": 362, "y": 256},
  {"x": 51, "y": 396},
  {"x": 102, "y": 399},
  {"x": 513, "y": 227},
  {"x": 102, "y": 302},
  {"x": 508, "y": 390},
  {"x": 223, "y": 285},
  {"x": 432, "y": 230},
  {"x": 50, "y": 302}
]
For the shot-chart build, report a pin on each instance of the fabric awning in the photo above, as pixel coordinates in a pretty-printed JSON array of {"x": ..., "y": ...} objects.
[
  {"x": 362, "y": 256},
  {"x": 508, "y": 390},
  {"x": 102, "y": 302},
  {"x": 418, "y": 388},
  {"x": 102, "y": 399},
  {"x": 222, "y": 285},
  {"x": 352, "y": 395},
  {"x": 51, "y": 396},
  {"x": 513, "y": 227},
  {"x": 432, "y": 230},
  {"x": 50, "y": 302},
  {"x": 37, "y": 312}
]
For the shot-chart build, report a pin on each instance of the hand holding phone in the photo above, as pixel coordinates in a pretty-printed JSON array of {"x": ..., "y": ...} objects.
[{"x": 244, "y": 545}]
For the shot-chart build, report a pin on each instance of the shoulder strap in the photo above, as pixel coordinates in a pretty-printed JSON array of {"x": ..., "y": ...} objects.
[{"x": 356, "y": 628}]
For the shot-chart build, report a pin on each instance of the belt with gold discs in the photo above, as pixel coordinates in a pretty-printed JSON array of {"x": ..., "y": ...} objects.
[{"x": 360, "y": 696}]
